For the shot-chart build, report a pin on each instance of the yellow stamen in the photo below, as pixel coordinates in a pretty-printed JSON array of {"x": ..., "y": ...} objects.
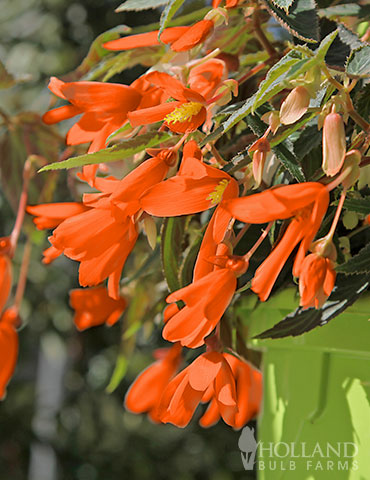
[
  {"x": 184, "y": 112},
  {"x": 216, "y": 196}
]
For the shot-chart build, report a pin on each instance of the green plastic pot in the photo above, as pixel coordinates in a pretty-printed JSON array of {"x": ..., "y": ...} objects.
[{"x": 315, "y": 420}]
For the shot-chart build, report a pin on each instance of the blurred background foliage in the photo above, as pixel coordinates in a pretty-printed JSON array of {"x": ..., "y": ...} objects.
[{"x": 58, "y": 422}]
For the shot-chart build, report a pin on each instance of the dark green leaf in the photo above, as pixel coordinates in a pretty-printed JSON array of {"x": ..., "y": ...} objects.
[
  {"x": 359, "y": 205},
  {"x": 358, "y": 63},
  {"x": 359, "y": 263},
  {"x": 346, "y": 10},
  {"x": 121, "y": 151},
  {"x": 138, "y": 5},
  {"x": 300, "y": 321},
  {"x": 362, "y": 101},
  {"x": 167, "y": 14},
  {"x": 172, "y": 234},
  {"x": 302, "y": 20},
  {"x": 283, "y": 4},
  {"x": 343, "y": 44},
  {"x": 309, "y": 138}
]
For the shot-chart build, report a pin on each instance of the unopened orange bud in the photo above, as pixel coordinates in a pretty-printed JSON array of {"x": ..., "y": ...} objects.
[
  {"x": 295, "y": 105},
  {"x": 333, "y": 144},
  {"x": 260, "y": 148},
  {"x": 325, "y": 248}
]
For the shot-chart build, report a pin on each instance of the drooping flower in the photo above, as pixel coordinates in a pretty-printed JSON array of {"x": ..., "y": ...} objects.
[
  {"x": 50, "y": 215},
  {"x": 185, "y": 114},
  {"x": 8, "y": 347},
  {"x": 333, "y": 144},
  {"x": 5, "y": 271},
  {"x": 145, "y": 393},
  {"x": 102, "y": 237},
  {"x": 206, "y": 299},
  {"x": 248, "y": 383},
  {"x": 180, "y": 39},
  {"x": 93, "y": 307},
  {"x": 306, "y": 205},
  {"x": 260, "y": 149},
  {"x": 316, "y": 280},
  {"x": 104, "y": 108},
  {"x": 212, "y": 376},
  {"x": 196, "y": 187}
]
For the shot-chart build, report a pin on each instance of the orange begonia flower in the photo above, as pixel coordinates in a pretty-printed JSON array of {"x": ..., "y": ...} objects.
[
  {"x": 102, "y": 237},
  {"x": 212, "y": 375},
  {"x": 145, "y": 393},
  {"x": 93, "y": 306},
  {"x": 316, "y": 280},
  {"x": 104, "y": 107},
  {"x": 8, "y": 347},
  {"x": 5, "y": 271},
  {"x": 196, "y": 187},
  {"x": 180, "y": 39},
  {"x": 248, "y": 382},
  {"x": 185, "y": 114},
  {"x": 206, "y": 77},
  {"x": 50, "y": 215},
  {"x": 305, "y": 202},
  {"x": 206, "y": 299}
]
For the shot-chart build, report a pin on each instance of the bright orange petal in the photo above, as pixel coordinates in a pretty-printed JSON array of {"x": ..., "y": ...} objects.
[{"x": 196, "y": 34}]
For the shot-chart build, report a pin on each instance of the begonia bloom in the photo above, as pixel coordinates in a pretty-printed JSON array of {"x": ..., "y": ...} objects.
[
  {"x": 316, "y": 280},
  {"x": 306, "y": 203},
  {"x": 180, "y": 39},
  {"x": 185, "y": 114},
  {"x": 146, "y": 391},
  {"x": 104, "y": 108},
  {"x": 93, "y": 307},
  {"x": 8, "y": 347},
  {"x": 102, "y": 237},
  {"x": 206, "y": 299},
  {"x": 248, "y": 383},
  {"x": 184, "y": 393}
]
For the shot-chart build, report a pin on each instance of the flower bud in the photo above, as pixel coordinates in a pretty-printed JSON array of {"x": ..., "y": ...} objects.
[
  {"x": 260, "y": 148},
  {"x": 333, "y": 144},
  {"x": 351, "y": 161},
  {"x": 295, "y": 105},
  {"x": 272, "y": 119}
]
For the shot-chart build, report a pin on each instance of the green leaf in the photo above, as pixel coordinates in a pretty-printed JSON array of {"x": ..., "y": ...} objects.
[
  {"x": 302, "y": 20},
  {"x": 283, "y": 4},
  {"x": 359, "y": 205},
  {"x": 172, "y": 235},
  {"x": 167, "y": 14},
  {"x": 362, "y": 101},
  {"x": 138, "y": 5},
  {"x": 300, "y": 321},
  {"x": 343, "y": 44},
  {"x": 6, "y": 79},
  {"x": 121, "y": 151},
  {"x": 309, "y": 139},
  {"x": 119, "y": 373},
  {"x": 359, "y": 263},
  {"x": 346, "y": 10},
  {"x": 358, "y": 63},
  {"x": 187, "y": 265},
  {"x": 274, "y": 81}
]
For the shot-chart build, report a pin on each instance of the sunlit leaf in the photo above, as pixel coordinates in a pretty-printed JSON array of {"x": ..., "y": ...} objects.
[{"x": 121, "y": 151}]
